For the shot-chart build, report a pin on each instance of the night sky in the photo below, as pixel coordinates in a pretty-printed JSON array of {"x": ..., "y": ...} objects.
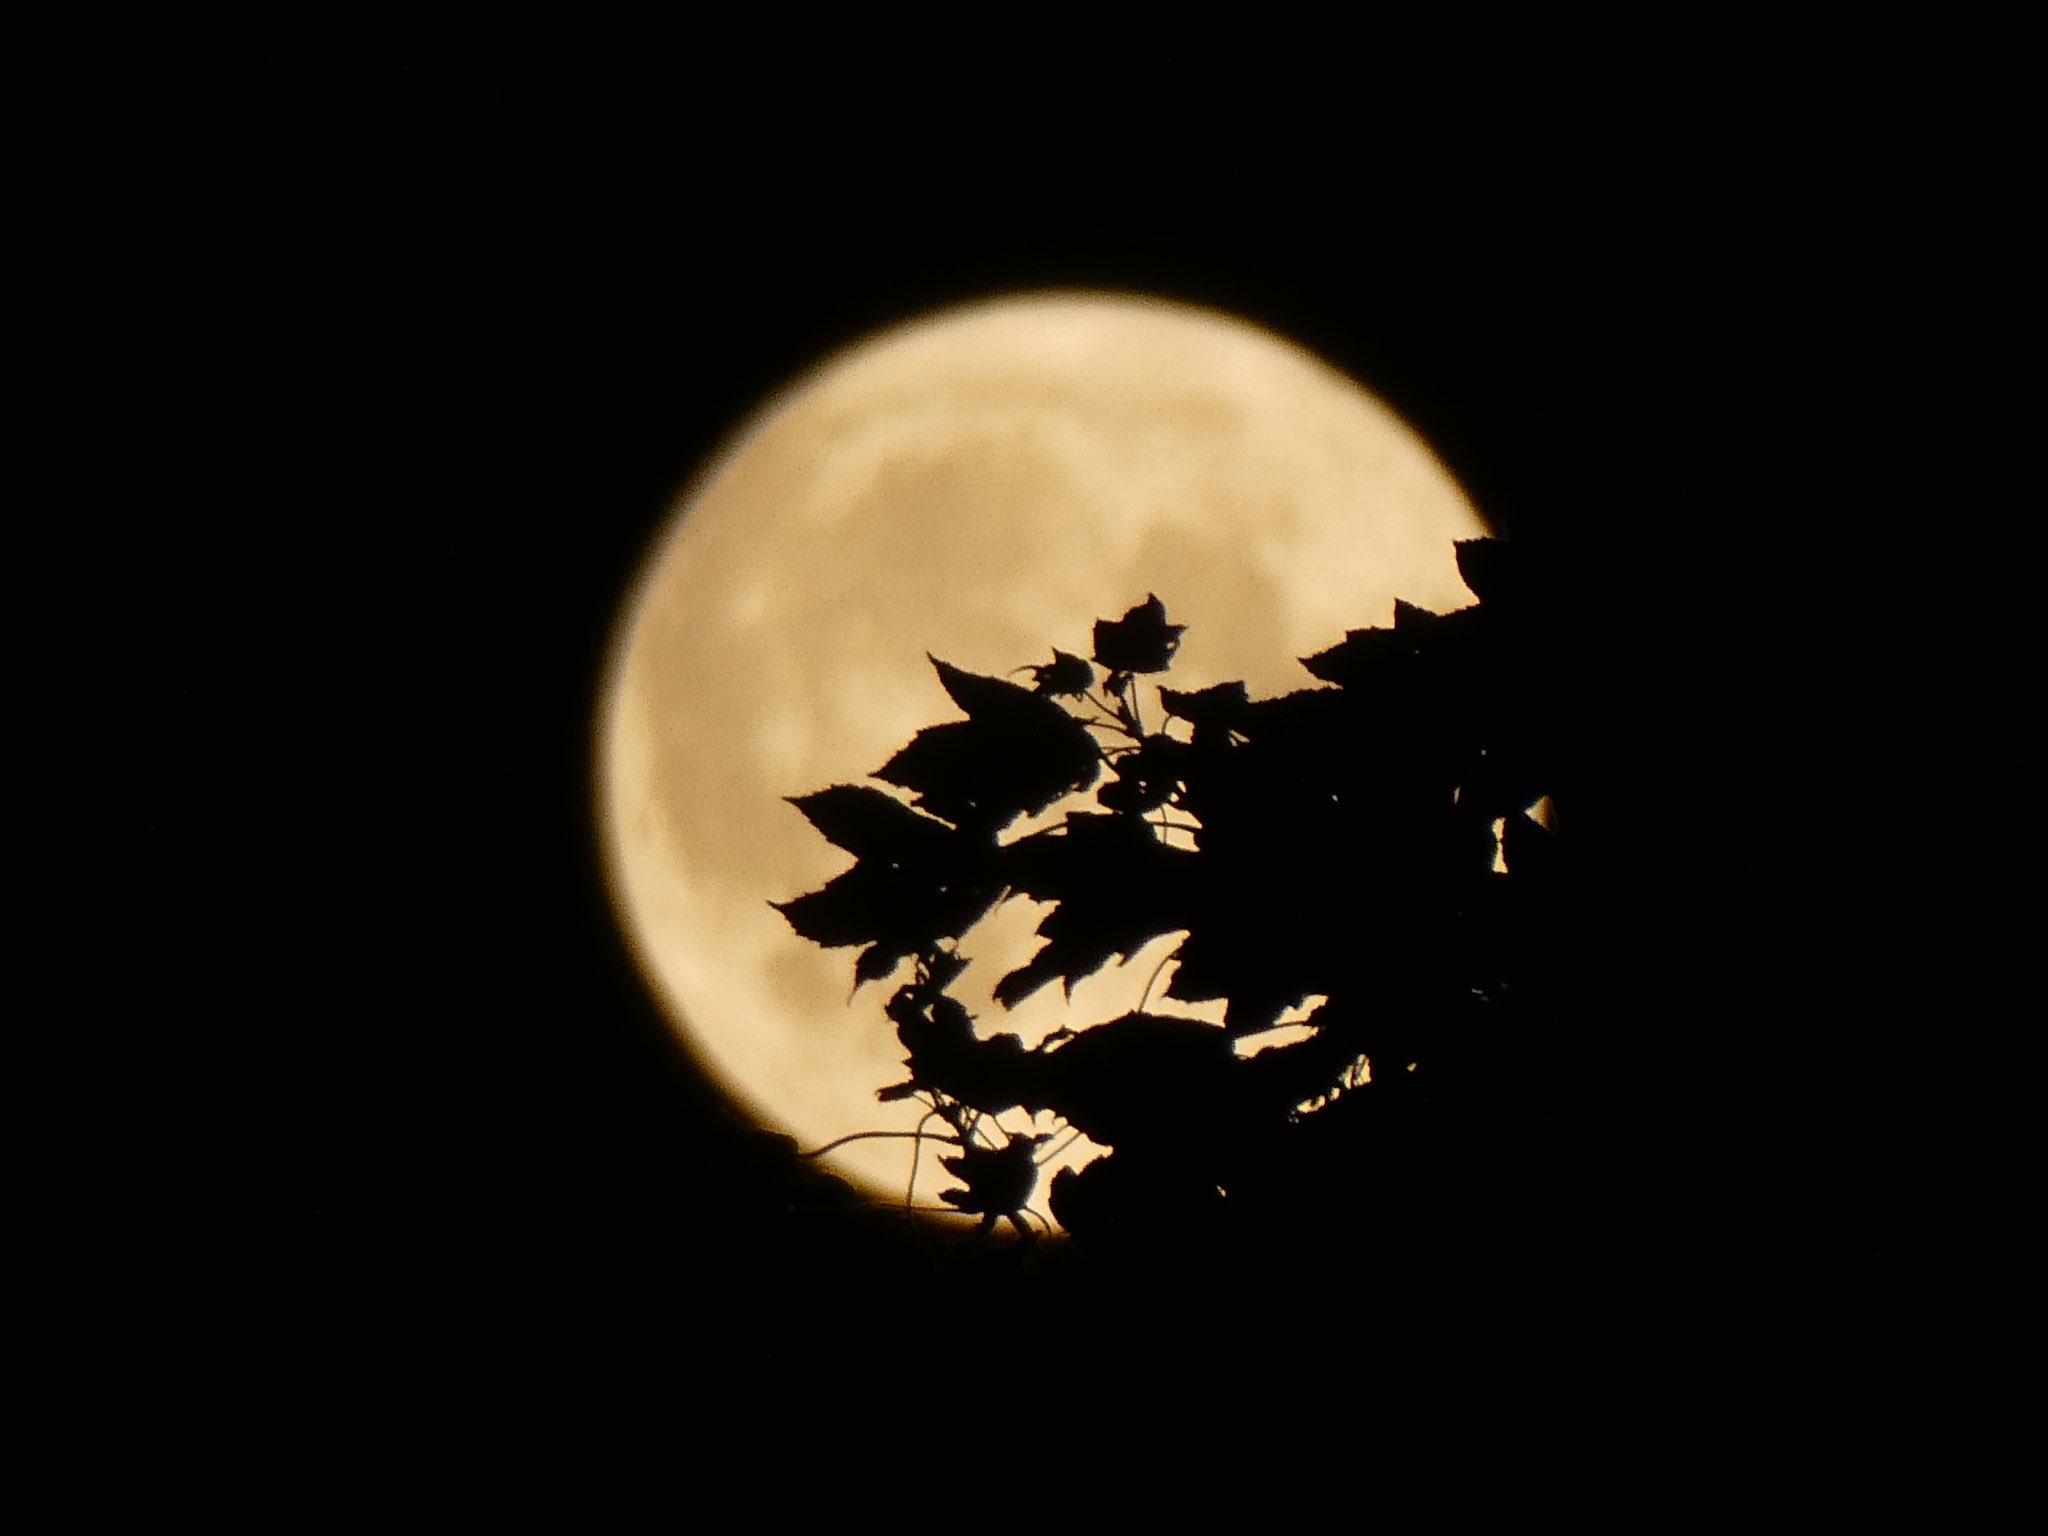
[{"x": 366, "y": 358}]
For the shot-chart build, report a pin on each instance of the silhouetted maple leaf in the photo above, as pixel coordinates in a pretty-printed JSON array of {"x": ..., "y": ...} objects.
[
  {"x": 1073, "y": 951},
  {"x": 843, "y": 911},
  {"x": 870, "y": 823},
  {"x": 947, "y": 1055},
  {"x": 1066, "y": 860},
  {"x": 1066, "y": 675},
  {"x": 876, "y": 962},
  {"x": 1261, "y": 968},
  {"x": 990, "y": 698},
  {"x": 1014, "y": 755},
  {"x": 1362, "y": 658},
  {"x": 1142, "y": 1077},
  {"x": 1220, "y": 707},
  {"x": 945, "y": 767},
  {"x": 1491, "y": 568},
  {"x": 1140, "y": 641},
  {"x": 1116, "y": 888},
  {"x": 900, "y": 910},
  {"x": 1410, "y": 617}
]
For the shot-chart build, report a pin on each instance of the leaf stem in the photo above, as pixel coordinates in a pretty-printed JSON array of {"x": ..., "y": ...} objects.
[{"x": 875, "y": 1135}]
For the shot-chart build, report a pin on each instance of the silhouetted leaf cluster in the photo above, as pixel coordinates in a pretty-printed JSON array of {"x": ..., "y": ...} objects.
[
  {"x": 1015, "y": 753},
  {"x": 1374, "y": 842}
]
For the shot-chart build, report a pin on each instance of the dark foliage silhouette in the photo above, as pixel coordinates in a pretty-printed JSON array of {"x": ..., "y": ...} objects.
[{"x": 1378, "y": 849}]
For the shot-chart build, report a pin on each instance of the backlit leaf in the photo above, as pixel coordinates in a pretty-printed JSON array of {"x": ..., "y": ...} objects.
[
  {"x": 1221, "y": 706},
  {"x": 870, "y": 823},
  {"x": 1066, "y": 675},
  {"x": 1140, "y": 641}
]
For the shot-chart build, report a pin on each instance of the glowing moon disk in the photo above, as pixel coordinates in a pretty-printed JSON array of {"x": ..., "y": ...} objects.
[{"x": 982, "y": 484}]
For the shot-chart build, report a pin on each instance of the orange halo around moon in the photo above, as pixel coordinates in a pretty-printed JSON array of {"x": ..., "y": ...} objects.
[{"x": 982, "y": 484}]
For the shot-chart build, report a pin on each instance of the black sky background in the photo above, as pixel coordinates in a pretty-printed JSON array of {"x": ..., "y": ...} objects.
[{"x": 368, "y": 356}]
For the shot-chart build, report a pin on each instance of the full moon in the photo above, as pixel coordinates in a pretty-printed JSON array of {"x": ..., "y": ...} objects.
[{"x": 981, "y": 484}]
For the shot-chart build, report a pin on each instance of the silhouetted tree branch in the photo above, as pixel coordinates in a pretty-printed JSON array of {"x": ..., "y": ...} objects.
[{"x": 1383, "y": 842}]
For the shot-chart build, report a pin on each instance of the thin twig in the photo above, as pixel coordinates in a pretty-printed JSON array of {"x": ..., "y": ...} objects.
[
  {"x": 1146, "y": 996},
  {"x": 916, "y": 1152},
  {"x": 1112, "y": 716},
  {"x": 1073, "y": 1135},
  {"x": 867, "y": 1135}
]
